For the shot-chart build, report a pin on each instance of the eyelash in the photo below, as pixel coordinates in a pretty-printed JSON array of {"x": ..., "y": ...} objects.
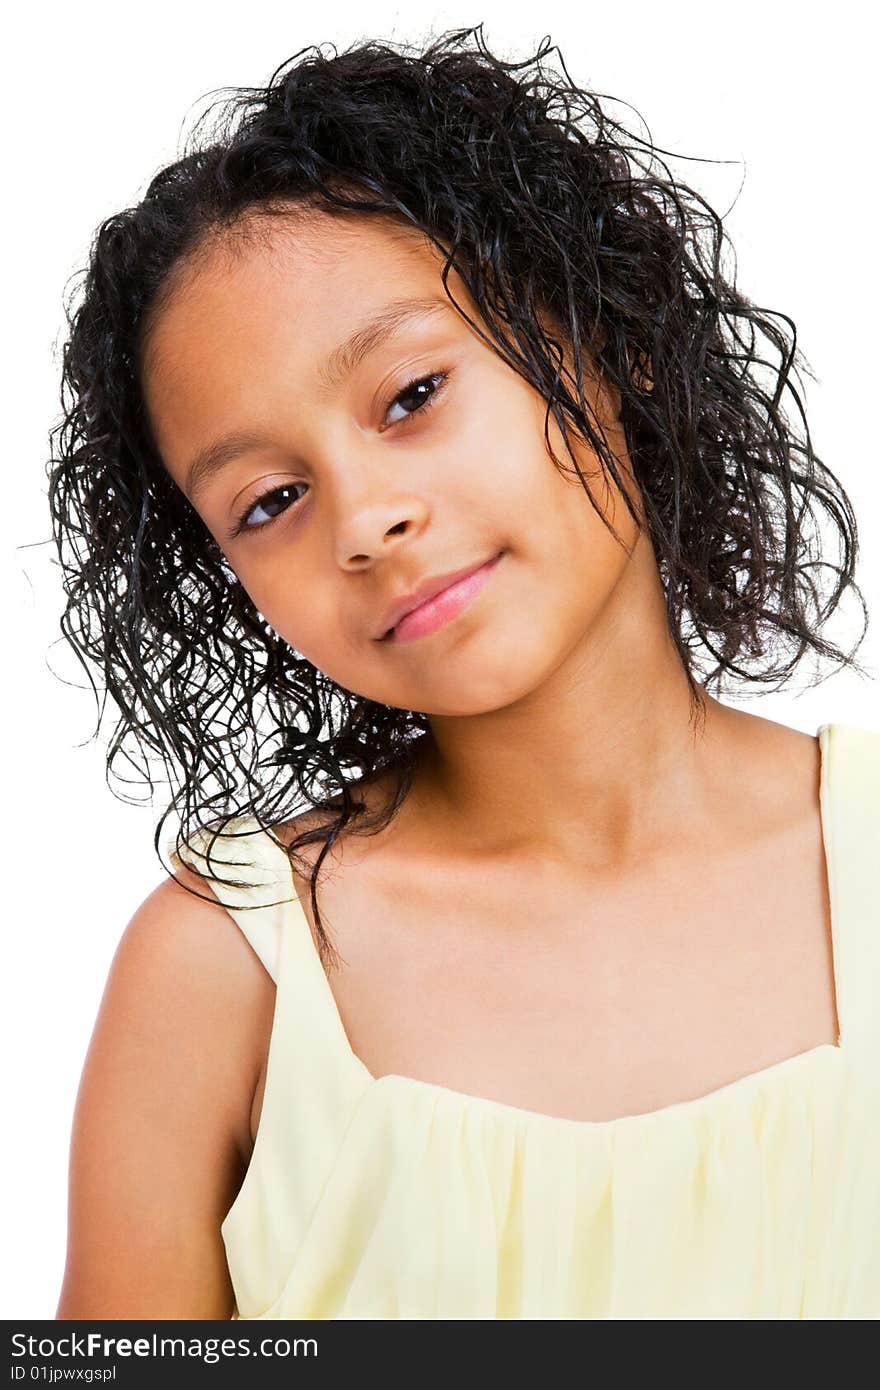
[{"x": 241, "y": 527}]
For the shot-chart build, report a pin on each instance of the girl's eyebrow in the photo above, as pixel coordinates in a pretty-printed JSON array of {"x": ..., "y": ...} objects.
[
  {"x": 332, "y": 371},
  {"x": 344, "y": 358}
]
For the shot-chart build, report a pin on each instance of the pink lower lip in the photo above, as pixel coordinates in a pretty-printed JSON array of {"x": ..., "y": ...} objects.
[{"x": 434, "y": 612}]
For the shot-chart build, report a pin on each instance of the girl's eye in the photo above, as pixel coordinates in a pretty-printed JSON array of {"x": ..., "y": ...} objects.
[
  {"x": 266, "y": 503},
  {"x": 414, "y": 390}
]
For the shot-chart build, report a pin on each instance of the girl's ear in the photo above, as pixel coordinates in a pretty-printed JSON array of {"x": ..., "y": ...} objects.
[
  {"x": 640, "y": 363},
  {"x": 607, "y": 396}
]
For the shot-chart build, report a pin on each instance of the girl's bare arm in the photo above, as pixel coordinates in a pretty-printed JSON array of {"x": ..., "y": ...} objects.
[{"x": 161, "y": 1133}]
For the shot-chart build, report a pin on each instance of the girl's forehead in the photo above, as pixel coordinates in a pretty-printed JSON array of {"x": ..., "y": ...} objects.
[
  {"x": 271, "y": 334},
  {"x": 318, "y": 272},
  {"x": 304, "y": 250}
]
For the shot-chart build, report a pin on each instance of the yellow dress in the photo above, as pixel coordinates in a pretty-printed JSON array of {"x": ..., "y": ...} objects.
[{"x": 395, "y": 1198}]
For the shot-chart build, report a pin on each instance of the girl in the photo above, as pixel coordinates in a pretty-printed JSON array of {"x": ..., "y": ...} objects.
[{"x": 420, "y": 472}]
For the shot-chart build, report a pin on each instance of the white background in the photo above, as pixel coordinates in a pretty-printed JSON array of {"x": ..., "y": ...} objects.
[{"x": 97, "y": 98}]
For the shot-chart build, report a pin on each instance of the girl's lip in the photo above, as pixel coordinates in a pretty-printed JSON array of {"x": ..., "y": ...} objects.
[{"x": 436, "y": 611}]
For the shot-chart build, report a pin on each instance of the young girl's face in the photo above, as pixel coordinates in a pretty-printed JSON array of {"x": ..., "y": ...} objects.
[{"x": 334, "y": 491}]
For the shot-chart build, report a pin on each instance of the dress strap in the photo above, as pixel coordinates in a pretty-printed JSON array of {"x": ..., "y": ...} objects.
[
  {"x": 851, "y": 818},
  {"x": 313, "y": 1079},
  {"x": 245, "y": 878}
]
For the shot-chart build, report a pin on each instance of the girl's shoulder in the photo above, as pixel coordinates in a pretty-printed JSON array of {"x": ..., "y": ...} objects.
[
  {"x": 182, "y": 941},
  {"x": 165, "y": 1111}
]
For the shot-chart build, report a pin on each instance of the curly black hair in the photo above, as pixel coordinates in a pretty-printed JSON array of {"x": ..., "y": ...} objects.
[{"x": 551, "y": 212}]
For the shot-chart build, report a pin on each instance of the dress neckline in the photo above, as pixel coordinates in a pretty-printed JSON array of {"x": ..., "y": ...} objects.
[{"x": 516, "y": 1114}]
